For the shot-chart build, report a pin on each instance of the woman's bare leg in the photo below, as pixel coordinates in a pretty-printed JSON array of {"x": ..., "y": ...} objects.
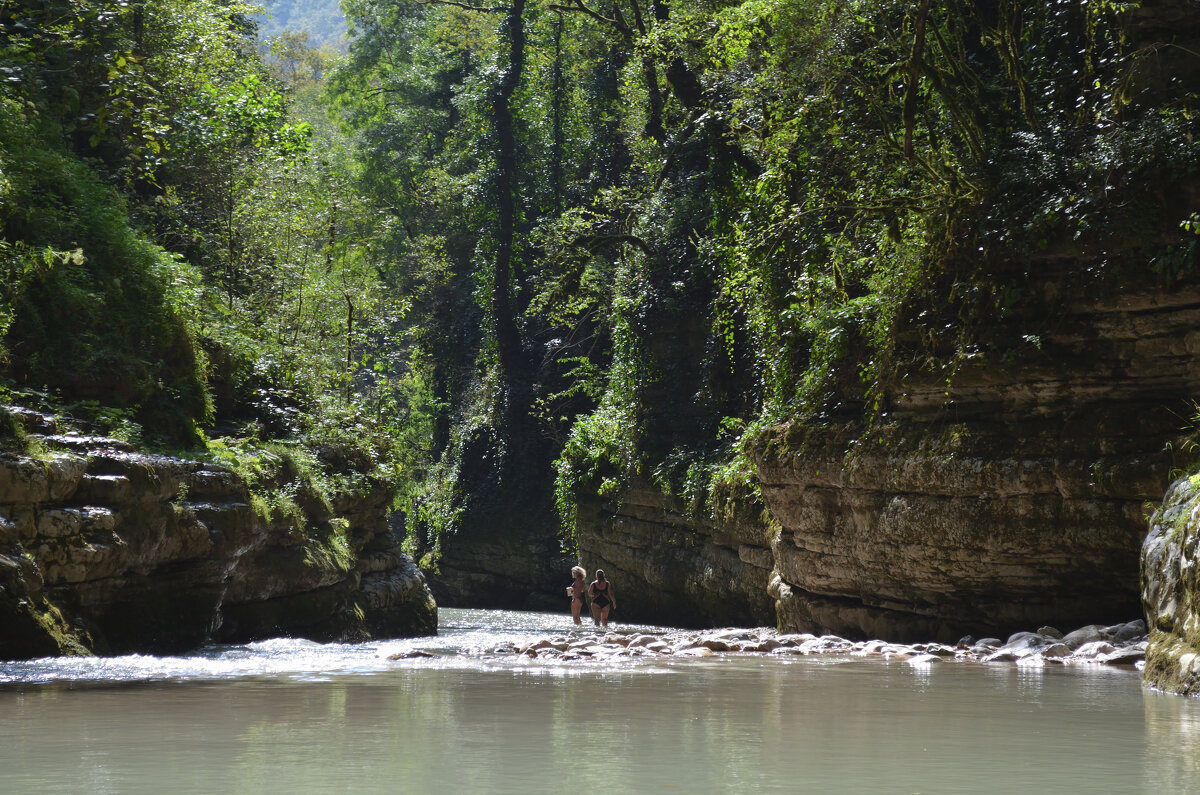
[{"x": 575, "y": 606}]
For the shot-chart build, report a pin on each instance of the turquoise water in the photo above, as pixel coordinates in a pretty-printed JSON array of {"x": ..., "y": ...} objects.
[{"x": 293, "y": 716}]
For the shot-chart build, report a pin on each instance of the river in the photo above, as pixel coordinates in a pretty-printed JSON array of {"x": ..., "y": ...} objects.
[{"x": 299, "y": 717}]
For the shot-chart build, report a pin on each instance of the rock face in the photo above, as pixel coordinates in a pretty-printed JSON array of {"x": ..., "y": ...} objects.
[
  {"x": 1171, "y": 591},
  {"x": 1002, "y": 496},
  {"x": 667, "y": 568},
  {"x": 107, "y": 550},
  {"x": 517, "y": 568}
]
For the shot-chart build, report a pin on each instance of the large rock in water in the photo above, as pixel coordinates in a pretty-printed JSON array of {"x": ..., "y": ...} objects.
[
  {"x": 106, "y": 550},
  {"x": 1171, "y": 591}
]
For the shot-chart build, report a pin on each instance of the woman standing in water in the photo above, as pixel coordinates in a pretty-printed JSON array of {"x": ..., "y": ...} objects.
[
  {"x": 603, "y": 598},
  {"x": 575, "y": 591}
]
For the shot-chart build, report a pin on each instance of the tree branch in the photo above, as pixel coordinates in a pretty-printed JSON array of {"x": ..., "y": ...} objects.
[
  {"x": 596, "y": 15},
  {"x": 465, "y": 6}
]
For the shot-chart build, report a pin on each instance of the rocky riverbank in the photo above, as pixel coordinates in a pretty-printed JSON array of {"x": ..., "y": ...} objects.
[{"x": 1117, "y": 644}]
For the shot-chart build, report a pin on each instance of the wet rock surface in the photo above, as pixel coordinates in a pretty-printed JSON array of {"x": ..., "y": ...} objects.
[{"x": 104, "y": 549}]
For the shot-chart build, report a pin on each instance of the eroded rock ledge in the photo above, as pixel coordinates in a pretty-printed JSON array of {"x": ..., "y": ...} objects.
[
  {"x": 107, "y": 550},
  {"x": 1171, "y": 591}
]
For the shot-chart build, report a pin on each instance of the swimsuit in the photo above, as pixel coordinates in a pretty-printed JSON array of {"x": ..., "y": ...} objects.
[
  {"x": 578, "y": 594},
  {"x": 598, "y": 597}
]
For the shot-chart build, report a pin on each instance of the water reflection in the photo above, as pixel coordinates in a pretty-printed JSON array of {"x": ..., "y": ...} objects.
[
  {"x": 316, "y": 718},
  {"x": 1173, "y": 742}
]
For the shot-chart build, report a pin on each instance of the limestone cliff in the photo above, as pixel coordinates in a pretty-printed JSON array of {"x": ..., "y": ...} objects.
[
  {"x": 672, "y": 569},
  {"x": 1002, "y": 495},
  {"x": 108, "y": 550}
]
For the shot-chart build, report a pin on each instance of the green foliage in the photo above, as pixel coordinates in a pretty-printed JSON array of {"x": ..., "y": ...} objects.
[
  {"x": 604, "y": 242},
  {"x": 179, "y": 249},
  {"x": 83, "y": 309}
]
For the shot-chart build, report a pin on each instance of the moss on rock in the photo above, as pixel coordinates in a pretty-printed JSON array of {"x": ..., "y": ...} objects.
[{"x": 1171, "y": 591}]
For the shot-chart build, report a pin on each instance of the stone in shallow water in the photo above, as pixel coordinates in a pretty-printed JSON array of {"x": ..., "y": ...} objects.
[
  {"x": 794, "y": 639},
  {"x": 1057, "y": 651},
  {"x": 1023, "y": 640},
  {"x": 1083, "y": 635},
  {"x": 1127, "y": 656},
  {"x": 924, "y": 659},
  {"x": 1003, "y": 655},
  {"x": 1094, "y": 649},
  {"x": 1130, "y": 631}
]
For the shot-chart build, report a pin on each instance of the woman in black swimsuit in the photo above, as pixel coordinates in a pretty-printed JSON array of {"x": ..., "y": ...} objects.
[
  {"x": 603, "y": 598},
  {"x": 575, "y": 591}
]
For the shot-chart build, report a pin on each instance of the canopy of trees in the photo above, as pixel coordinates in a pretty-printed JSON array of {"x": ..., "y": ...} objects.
[{"x": 503, "y": 249}]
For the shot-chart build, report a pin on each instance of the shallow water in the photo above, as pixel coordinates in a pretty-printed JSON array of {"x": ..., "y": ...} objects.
[{"x": 302, "y": 717}]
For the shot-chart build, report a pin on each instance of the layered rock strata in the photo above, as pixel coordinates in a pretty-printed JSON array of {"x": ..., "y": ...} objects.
[
  {"x": 1006, "y": 493},
  {"x": 671, "y": 569},
  {"x": 1000, "y": 496},
  {"x": 1171, "y": 591},
  {"x": 107, "y": 550}
]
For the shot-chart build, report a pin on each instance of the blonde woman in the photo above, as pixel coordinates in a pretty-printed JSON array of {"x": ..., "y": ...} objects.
[
  {"x": 575, "y": 591},
  {"x": 603, "y": 598}
]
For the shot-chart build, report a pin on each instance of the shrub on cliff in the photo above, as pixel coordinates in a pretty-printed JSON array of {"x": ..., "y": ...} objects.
[{"x": 86, "y": 310}]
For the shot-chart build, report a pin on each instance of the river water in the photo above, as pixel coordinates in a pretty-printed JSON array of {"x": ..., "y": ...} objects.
[{"x": 299, "y": 717}]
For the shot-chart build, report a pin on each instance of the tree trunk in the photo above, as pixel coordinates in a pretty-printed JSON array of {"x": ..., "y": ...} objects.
[{"x": 508, "y": 339}]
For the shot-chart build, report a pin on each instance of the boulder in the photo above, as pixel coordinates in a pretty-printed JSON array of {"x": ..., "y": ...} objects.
[{"x": 1171, "y": 591}]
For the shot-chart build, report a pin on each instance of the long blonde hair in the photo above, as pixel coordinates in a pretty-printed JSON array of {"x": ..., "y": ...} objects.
[{"x": 578, "y": 572}]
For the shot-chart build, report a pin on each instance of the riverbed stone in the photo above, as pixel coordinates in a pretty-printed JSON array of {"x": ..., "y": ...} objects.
[
  {"x": 1094, "y": 649},
  {"x": 1083, "y": 635},
  {"x": 1129, "y": 655},
  {"x": 1130, "y": 631}
]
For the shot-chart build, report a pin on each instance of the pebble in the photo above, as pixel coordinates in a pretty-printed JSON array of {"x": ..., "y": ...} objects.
[{"x": 1117, "y": 644}]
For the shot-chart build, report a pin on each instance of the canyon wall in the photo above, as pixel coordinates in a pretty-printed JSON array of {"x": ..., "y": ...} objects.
[
  {"x": 671, "y": 569},
  {"x": 107, "y": 550},
  {"x": 1006, "y": 494}
]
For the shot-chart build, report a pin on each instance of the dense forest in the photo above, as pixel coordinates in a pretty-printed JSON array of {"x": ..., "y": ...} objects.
[{"x": 508, "y": 256}]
